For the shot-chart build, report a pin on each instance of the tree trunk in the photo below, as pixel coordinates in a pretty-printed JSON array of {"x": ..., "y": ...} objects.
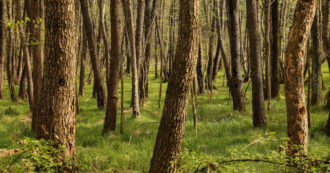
[
  {"x": 275, "y": 75},
  {"x": 171, "y": 129},
  {"x": 236, "y": 75},
  {"x": 2, "y": 43},
  {"x": 259, "y": 117},
  {"x": 328, "y": 104},
  {"x": 127, "y": 5},
  {"x": 22, "y": 85},
  {"x": 294, "y": 81},
  {"x": 200, "y": 75},
  {"x": 114, "y": 74},
  {"x": 57, "y": 109},
  {"x": 267, "y": 5},
  {"x": 101, "y": 99},
  {"x": 316, "y": 61},
  {"x": 325, "y": 30},
  {"x": 83, "y": 64}
]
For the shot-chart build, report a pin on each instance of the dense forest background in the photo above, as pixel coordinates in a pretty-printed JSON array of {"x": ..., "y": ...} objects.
[{"x": 164, "y": 86}]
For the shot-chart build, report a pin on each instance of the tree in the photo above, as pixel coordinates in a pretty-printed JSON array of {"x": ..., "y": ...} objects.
[
  {"x": 236, "y": 76},
  {"x": 2, "y": 42},
  {"x": 171, "y": 129},
  {"x": 115, "y": 58},
  {"x": 275, "y": 74},
  {"x": 99, "y": 85},
  {"x": 57, "y": 109},
  {"x": 297, "y": 123},
  {"x": 127, "y": 5},
  {"x": 259, "y": 117},
  {"x": 83, "y": 63},
  {"x": 316, "y": 60}
]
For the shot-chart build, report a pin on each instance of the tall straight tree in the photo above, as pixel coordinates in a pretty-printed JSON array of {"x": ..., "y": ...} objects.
[
  {"x": 171, "y": 129},
  {"x": 57, "y": 108},
  {"x": 127, "y": 5},
  {"x": 297, "y": 123},
  {"x": 316, "y": 60},
  {"x": 259, "y": 117},
  {"x": 275, "y": 75},
  {"x": 101, "y": 99},
  {"x": 236, "y": 75},
  {"x": 115, "y": 57},
  {"x": 2, "y": 43}
]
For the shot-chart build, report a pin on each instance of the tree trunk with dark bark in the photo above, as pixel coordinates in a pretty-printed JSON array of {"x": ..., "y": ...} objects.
[
  {"x": 297, "y": 123},
  {"x": 258, "y": 107},
  {"x": 171, "y": 129},
  {"x": 2, "y": 43},
  {"x": 83, "y": 64},
  {"x": 275, "y": 74}
]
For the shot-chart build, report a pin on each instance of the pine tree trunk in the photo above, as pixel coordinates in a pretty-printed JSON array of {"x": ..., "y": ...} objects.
[
  {"x": 171, "y": 129},
  {"x": 57, "y": 109},
  {"x": 294, "y": 81},
  {"x": 236, "y": 75},
  {"x": 114, "y": 74}
]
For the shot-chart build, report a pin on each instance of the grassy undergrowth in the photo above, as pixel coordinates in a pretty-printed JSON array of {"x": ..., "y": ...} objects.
[{"x": 222, "y": 133}]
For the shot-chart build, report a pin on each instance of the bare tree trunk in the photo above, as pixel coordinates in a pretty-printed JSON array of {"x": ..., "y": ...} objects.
[
  {"x": 325, "y": 30},
  {"x": 275, "y": 75},
  {"x": 57, "y": 109},
  {"x": 259, "y": 117},
  {"x": 101, "y": 99},
  {"x": 130, "y": 29},
  {"x": 200, "y": 75},
  {"x": 236, "y": 78},
  {"x": 267, "y": 51},
  {"x": 114, "y": 74},
  {"x": 294, "y": 80},
  {"x": 2, "y": 43},
  {"x": 171, "y": 129},
  {"x": 83, "y": 64}
]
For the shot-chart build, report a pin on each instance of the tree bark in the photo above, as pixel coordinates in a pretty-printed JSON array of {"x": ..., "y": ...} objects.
[
  {"x": 57, "y": 109},
  {"x": 236, "y": 75},
  {"x": 275, "y": 75},
  {"x": 2, "y": 43},
  {"x": 294, "y": 81},
  {"x": 114, "y": 74},
  {"x": 171, "y": 129},
  {"x": 101, "y": 99},
  {"x": 83, "y": 64},
  {"x": 258, "y": 107},
  {"x": 325, "y": 30}
]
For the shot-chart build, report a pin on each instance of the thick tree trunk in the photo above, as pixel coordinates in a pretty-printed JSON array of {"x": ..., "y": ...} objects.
[
  {"x": 275, "y": 75},
  {"x": 171, "y": 129},
  {"x": 259, "y": 117},
  {"x": 127, "y": 5},
  {"x": 101, "y": 99},
  {"x": 2, "y": 43},
  {"x": 114, "y": 74},
  {"x": 236, "y": 75},
  {"x": 57, "y": 109},
  {"x": 294, "y": 81},
  {"x": 316, "y": 61}
]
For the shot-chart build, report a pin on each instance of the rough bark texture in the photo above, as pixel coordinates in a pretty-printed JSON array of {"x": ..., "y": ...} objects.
[
  {"x": 2, "y": 43},
  {"x": 57, "y": 109},
  {"x": 127, "y": 5},
  {"x": 99, "y": 85},
  {"x": 115, "y": 57},
  {"x": 171, "y": 129},
  {"x": 316, "y": 61},
  {"x": 275, "y": 75},
  {"x": 258, "y": 107},
  {"x": 294, "y": 81},
  {"x": 236, "y": 75}
]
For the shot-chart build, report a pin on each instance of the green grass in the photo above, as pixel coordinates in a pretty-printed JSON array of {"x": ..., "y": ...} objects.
[{"x": 221, "y": 132}]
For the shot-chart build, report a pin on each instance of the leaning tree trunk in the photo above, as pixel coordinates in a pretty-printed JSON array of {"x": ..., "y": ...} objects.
[
  {"x": 171, "y": 129},
  {"x": 57, "y": 109},
  {"x": 316, "y": 61},
  {"x": 297, "y": 123},
  {"x": 115, "y": 58},
  {"x": 127, "y": 5},
  {"x": 258, "y": 107},
  {"x": 2, "y": 42},
  {"x": 101, "y": 99},
  {"x": 236, "y": 76}
]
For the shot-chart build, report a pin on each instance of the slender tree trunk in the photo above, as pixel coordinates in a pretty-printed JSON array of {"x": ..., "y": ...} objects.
[
  {"x": 325, "y": 30},
  {"x": 236, "y": 78},
  {"x": 275, "y": 75},
  {"x": 259, "y": 117},
  {"x": 328, "y": 123},
  {"x": 316, "y": 61},
  {"x": 83, "y": 64},
  {"x": 267, "y": 5},
  {"x": 22, "y": 85},
  {"x": 114, "y": 74},
  {"x": 57, "y": 109},
  {"x": 127, "y": 5},
  {"x": 200, "y": 75},
  {"x": 294, "y": 81},
  {"x": 171, "y": 129},
  {"x": 101, "y": 99},
  {"x": 2, "y": 43}
]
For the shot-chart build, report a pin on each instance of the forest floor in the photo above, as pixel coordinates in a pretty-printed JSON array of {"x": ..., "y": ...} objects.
[{"x": 222, "y": 133}]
